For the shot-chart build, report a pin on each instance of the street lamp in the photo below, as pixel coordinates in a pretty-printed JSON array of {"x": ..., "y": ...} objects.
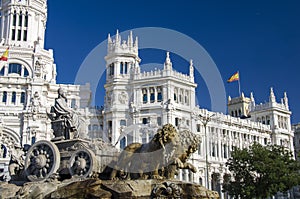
[{"x": 205, "y": 119}]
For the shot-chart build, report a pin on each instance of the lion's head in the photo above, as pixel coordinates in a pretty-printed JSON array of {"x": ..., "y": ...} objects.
[{"x": 166, "y": 134}]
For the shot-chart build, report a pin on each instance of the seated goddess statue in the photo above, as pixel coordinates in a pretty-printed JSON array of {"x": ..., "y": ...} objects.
[{"x": 64, "y": 119}]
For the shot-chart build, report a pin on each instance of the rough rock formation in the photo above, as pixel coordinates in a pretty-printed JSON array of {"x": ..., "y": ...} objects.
[{"x": 94, "y": 188}]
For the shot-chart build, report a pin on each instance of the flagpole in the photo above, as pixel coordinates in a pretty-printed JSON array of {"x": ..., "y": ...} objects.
[{"x": 239, "y": 84}]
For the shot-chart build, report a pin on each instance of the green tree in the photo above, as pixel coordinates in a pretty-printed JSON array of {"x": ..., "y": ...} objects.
[{"x": 261, "y": 171}]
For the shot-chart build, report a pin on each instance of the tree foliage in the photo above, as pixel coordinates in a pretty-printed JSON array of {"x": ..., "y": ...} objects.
[{"x": 261, "y": 171}]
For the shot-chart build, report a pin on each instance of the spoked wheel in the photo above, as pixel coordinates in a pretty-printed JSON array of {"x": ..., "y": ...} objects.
[
  {"x": 42, "y": 160},
  {"x": 82, "y": 163}
]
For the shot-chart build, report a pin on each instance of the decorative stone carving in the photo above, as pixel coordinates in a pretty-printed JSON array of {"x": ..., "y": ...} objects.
[
  {"x": 16, "y": 164},
  {"x": 123, "y": 97},
  {"x": 167, "y": 189}
]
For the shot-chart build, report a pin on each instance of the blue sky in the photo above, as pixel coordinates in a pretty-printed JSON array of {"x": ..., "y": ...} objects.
[{"x": 261, "y": 39}]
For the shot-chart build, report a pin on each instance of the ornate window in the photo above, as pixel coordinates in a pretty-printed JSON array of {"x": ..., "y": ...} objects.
[
  {"x": 15, "y": 68},
  {"x": 123, "y": 67}
]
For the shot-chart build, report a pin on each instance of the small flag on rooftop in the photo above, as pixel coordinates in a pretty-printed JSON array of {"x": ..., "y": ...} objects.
[{"x": 234, "y": 77}]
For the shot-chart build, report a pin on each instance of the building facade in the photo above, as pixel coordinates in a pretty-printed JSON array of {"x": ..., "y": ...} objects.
[
  {"x": 28, "y": 85},
  {"x": 137, "y": 103}
]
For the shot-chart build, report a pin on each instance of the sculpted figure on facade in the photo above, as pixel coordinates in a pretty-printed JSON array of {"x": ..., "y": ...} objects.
[
  {"x": 35, "y": 103},
  {"x": 123, "y": 98}
]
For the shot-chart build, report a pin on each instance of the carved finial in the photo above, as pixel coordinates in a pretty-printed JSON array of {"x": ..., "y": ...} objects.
[
  {"x": 191, "y": 68},
  {"x": 272, "y": 96},
  {"x": 229, "y": 98},
  {"x": 109, "y": 39},
  {"x": 130, "y": 39},
  {"x": 118, "y": 38},
  {"x": 168, "y": 63},
  {"x": 251, "y": 97},
  {"x": 286, "y": 101},
  {"x": 252, "y": 105},
  {"x": 242, "y": 95}
]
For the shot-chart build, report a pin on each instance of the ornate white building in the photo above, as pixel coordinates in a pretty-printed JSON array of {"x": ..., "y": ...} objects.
[
  {"x": 28, "y": 78},
  {"x": 137, "y": 103}
]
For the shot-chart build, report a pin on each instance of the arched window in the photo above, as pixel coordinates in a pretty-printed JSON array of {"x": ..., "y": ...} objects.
[
  {"x": 145, "y": 97},
  {"x": 13, "y": 97},
  {"x": 121, "y": 68},
  {"x": 20, "y": 19},
  {"x": 111, "y": 69},
  {"x": 13, "y": 33},
  {"x": 15, "y": 68},
  {"x": 175, "y": 95},
  {"x": 26, "y": 20},
  {"x": 152, "y": 98},
  {"x": 22, "y": 100},
  {"x": 159, "y": 94},
  {"x": 263, "y": 120},
  {"x": 4, "y": 97},
  {"x": 15, "y": 18}
]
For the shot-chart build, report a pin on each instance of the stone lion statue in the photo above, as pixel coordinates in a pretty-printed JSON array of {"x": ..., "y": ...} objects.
[
  {"x": 162, "y": 157},
  {"x": 188, "y": 144},
  {"x": 142, "y": 161}
]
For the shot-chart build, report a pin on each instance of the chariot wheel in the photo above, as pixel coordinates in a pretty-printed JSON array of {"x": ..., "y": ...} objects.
[
  {"x": 42, "y": 160},
  {"x": 82, "y": 163}
]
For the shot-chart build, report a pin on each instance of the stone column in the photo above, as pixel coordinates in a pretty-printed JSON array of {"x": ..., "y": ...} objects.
[{"x": 18, "y": 98}]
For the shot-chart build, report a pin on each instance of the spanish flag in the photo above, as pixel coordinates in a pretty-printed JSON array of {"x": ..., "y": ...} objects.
[
  {"x": 4, "y": 56},
  {"x": 234, "y": 77}
]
